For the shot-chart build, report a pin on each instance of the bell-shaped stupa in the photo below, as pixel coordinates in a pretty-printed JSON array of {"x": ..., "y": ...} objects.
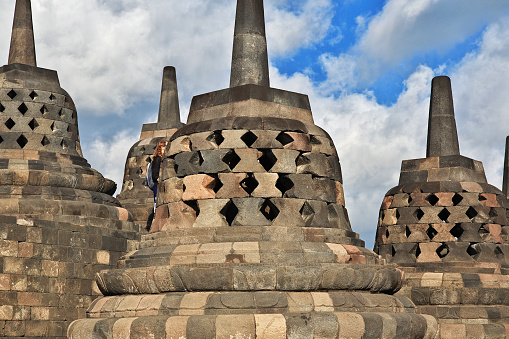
[
  {"x": 59, "y": 223},
  {"x": 251, "y": 237},
  {"x": 446, "y": 227},
  {"x": 135, "y": 196}
]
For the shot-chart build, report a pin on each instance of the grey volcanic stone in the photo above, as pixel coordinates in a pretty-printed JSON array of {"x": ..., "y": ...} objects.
[{"x": 442, "y": 134}]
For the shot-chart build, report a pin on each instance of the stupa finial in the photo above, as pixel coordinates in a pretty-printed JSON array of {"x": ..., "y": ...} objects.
[
  {"x": 169, "y": 111},
  {"x": 250, "y": 63},
  {"x": 442, "y": 133},
  {"x": 505, "y": 185},
  {"x": 22, "y": 49}
]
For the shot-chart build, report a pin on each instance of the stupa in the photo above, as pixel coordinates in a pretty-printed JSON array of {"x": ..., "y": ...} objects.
[
  {"x": 59, "y": 223},
  {"x": 446, "y": 227},
  {"x": 135, "y": 196},
  {"x": 251, "y": 237}
]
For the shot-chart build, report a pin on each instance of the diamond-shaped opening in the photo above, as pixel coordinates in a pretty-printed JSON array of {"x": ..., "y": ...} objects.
[
  {"x": 45, "y": 141},
  {"x": 432, "y": 199},
  {"x": 409, "y": 198},
  {"x": 267, "y": 160},
  {"x": 499, "y": 253},
  {"x": 231, "y": 159},
  {"x": 431, "y": 232},
  {"x": 387, "y": 234},
  {"x": 69, "y": 130},
  {"x": 482, "y": 197},
  {"x": 269, "y": 210},
  {"x": 63, "y": 144},
  {"x": 493, "y": 213},
  {"x": 44, "y": 109},
  {"x": 22, "y": 141},
  {"x": 393, "y": 251},
  {"x": 456, "y": 231},
  {"x": 443, "y": 250},
  {"x": 307, "y": 211},
  {"x": 249, "y": 138},
  {"x": 397, "y": 214},
  {"x": 33, "y": 124},
  {"x": 229, "y": 211},
  {"x": 314, "y": 141},
  {"x": 284, "y": 138},
  {"x": 33, "y": 95},
  {"x": 61, "y": 112},
  {"x": 249, "y": 184},
  {"x": 217, "y": 184},
  {"x": 418, "y": 251},
  {"x": 12, "y": 94},
  {"x": 483, "y": 232},
  {"x": 10, "y": 123},
  {"x": 418, "y": 214},
  {"x": 456, "y": 199},
  {"x": 194, "y": 205},
  {"x": 473, "y": 250},
  {"x": 1, "y": 140},
  {"x": 407, "y": 231},
  {"x": 52, "y": 97},
  {"x": 444, "y": 214},
  {"x": 216, "y": 137},
  {"x": 2, "y": 108},
  {"x": 284, "y": 184},
  {"x": 23, "y": 109},
  {"x": 53, "y": 127},
  {"x": 471, "y": 212}
]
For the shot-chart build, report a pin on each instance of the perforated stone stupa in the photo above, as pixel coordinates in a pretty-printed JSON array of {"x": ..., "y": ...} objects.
[
  {"x": 251, "y": 237},
  {"x": 135, "y": 195},
  {"x": 59, "y": 223},
  {"x": 447, "y": 228}
]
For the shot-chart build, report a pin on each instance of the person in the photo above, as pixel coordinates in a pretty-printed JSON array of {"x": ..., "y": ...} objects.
[{"x": 153, "y": 168}]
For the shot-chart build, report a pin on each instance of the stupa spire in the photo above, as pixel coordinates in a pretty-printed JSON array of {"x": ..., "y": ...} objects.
[
  {"x": 169, "y": 111},
  {"x": 22, "y": 49},
  {"x": 250, "y": 63},
  {"x": 442, "y": 133},
  {"x": 505, "y": 185}
]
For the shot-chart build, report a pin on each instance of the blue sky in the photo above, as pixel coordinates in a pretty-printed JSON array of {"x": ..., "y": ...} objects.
[{"x": 365, "y": 64}]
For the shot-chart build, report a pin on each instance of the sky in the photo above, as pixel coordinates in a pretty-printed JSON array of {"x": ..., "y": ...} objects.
[{"x": 366, "y": 65}]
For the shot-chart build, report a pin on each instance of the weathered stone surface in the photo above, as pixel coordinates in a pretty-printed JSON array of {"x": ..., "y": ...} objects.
[
  {"x": 200, "y": 186},
  {"x": 249, "y": 212},
  {"x": 266, "y": 187},
  {"x": 231, "y": 186},
  {"x": 213, "y": 161},
  {"x": 286, "y": 161},
  {"x": 248, "y": 161},
  {"x": 210, "y": 213}
]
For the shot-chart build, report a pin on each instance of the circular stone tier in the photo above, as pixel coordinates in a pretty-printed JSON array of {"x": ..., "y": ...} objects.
[
  {"x": 307, "y": 324},
  {"x": 468, "y": 299},
  {"x": 434, "y": 222}
]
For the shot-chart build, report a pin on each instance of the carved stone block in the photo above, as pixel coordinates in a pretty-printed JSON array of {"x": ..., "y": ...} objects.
[{"x": 199, "y": 186}]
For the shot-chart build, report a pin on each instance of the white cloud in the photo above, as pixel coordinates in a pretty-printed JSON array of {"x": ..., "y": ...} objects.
[
  {"x": 289, "y": 30},
  {"x": 406, "y": 28},
  {"x": 110, "y": 54},
  {"x": 480, "y": 90},
  {"x": 108, "y": 156}
]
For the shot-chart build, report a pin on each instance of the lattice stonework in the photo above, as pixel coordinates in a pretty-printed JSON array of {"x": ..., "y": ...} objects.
[
  {"x": 467, "y": 224},
  {"x": 256, "y": 177},
  {"x": 33, "y": 119}
]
